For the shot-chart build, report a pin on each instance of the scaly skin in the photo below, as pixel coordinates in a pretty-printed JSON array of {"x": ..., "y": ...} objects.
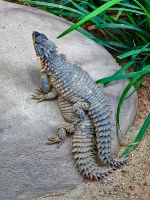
[
  {"x": 83, "y": 141},
  {"x": 75, "y": 85}
]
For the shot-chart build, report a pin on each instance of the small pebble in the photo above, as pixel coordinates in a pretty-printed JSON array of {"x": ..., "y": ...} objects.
[
  {"x": 132, "y": 187},
  {"x": 145, "y": 183}
]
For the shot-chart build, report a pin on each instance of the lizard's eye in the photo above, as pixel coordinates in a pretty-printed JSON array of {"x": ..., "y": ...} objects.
[{"x": 36, "y": 34}]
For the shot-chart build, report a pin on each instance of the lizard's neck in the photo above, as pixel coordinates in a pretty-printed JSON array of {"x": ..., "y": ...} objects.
[
  {"x": 53, "y": 63},
  {"x": 45, "y": 63}
]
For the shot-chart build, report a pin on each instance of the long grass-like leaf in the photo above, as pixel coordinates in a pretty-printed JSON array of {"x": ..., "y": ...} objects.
[
  {"x": 144, "y": 39},
  {"x": 89, "y": 16},
  {"x": 145, "y": 11},
  {"x": 99, "y": 41},
  {"x": 90, "y": 5},
  {"x": 111, "y": 21},
  {"x": 131, "y": 18},
  {"x": 65, "y": 14},
  {"x": 109, "y": 79},
  {"x": 139, "y": 136},
  {"x": 117, "y": 44},
  {"x": 133, "y": 52},
  {"x": 96, "y": 19},
  {"x": 129, "y": 5},
  {"x": 127, "y": 10},
  {"x": 125, "y": 67},
  {"x": 122, "y": 98},
  {"x": 143, "y": 63},
  {"x": 112, "y": 35},
  {"x": 131, "y": 27},
  {"x": 139, "y": 81},
  {"x": 51, "y": 5}
]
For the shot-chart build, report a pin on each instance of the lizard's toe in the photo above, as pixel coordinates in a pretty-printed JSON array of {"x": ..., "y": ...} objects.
[
  {"x": 54, "y": 139},
  {"x": 38, "y": 95}
]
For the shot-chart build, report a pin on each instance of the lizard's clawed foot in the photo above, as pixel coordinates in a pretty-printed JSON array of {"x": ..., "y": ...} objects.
[
  {"x": 54, "y": 139},
  {"x": 39, "y": 95}
]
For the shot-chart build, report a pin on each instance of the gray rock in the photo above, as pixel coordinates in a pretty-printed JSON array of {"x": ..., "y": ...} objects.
[{"x": 28, "y": 167}]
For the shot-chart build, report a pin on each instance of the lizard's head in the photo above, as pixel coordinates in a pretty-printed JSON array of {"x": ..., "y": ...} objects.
[{"x": 43, "y": 46}]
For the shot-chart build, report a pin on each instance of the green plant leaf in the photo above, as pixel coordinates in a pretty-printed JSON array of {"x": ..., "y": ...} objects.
[
  {"x": 145, "y": 11},
  {"x": 51, "y": 5},
  {"x": 127, "y": 10},
  {"x": 118, "y": 14},
  {"x": 129, "y": 5},
  {"x": 139, "y": 137},
  {"x": 115, "y": 77},
  {"x": 90, "y": 5},
  {"x": 131, "y": 18},
  {"x": 89, "y": 16},
  {"x": 65, "y": 14},
  {"x": 133, "y": 52},
  {"x": 96, "y": 19},
  {"x": 132, "y": 27},
  {"x": 139, "y": 81},
  {"x": 125, "y": 67},
  {"x": 122, "y": 98},
  {"x": 99, "y": 41}
]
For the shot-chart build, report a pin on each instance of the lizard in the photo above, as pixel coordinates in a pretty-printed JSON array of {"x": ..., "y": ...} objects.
[{"x": 76, "y": 86}]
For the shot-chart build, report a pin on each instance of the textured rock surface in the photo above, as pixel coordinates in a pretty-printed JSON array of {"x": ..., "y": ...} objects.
[{"x": 28, "y": 167}]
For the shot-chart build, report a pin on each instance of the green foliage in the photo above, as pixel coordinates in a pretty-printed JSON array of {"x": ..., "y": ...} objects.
[
  {"x": 89, "y": 16},
  {"x": 126, "y": 23},
  {"x": 139, "y": 136}
]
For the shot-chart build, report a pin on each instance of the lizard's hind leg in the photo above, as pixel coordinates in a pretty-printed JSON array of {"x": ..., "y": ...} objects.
[
  {"x": 62, "y": 130},
  {"x": 79, "y": 108}
]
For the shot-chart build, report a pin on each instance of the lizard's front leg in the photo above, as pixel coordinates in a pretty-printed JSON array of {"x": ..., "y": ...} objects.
[
  {"x": 45, "y": 83},
  {"x": 45, "y": 93},
  {"x": 40, "y": 96}
]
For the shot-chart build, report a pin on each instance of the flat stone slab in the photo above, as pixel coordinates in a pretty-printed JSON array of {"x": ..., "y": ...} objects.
[{"x": 28, "y": 167}]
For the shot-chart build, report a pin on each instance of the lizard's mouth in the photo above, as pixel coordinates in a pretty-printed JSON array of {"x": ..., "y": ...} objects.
[{"x": 33, "y": 38}]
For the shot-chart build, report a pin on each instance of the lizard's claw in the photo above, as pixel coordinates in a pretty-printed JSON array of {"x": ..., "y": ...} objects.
[
  {"x": 38, "y": 95},
  {"x": 43, "y": 69},
  {"x": 39, "y": 91},
  {"x": 54, "y": 139}
]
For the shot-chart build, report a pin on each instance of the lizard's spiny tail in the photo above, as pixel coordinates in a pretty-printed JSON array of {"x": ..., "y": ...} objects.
[
  {"x": 83, "y": 154},
  {"x": 100, "y": 113}
]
